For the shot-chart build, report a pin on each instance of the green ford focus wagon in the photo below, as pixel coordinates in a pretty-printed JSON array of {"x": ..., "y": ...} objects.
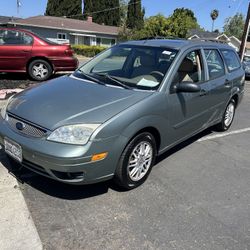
[{"x": 118, "y": 112}]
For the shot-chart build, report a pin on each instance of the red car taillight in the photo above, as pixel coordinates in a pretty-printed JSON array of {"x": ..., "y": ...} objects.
[{"x": 69, "y": 52}]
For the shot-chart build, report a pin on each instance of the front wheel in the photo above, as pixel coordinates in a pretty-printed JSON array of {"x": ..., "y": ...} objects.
[
  {"x": 228, "y": 117},
  {"x": 40, "y": 70},
  {"x": 136, "y": 161}
]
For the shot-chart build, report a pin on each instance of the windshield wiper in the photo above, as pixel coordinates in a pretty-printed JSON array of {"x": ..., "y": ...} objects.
[
  {"x": 91, "y": 78},
  {"x": 114, "y": 80}
]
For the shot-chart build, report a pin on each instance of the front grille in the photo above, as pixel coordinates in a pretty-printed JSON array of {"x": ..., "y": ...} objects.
[{"x": 28, "y": 129}]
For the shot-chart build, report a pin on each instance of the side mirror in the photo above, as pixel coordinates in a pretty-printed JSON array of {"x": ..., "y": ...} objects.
[{"x": 188, "y": 87}]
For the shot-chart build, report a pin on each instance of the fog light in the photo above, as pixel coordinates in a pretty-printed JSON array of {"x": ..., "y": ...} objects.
[{"x": 99, "y": 157}]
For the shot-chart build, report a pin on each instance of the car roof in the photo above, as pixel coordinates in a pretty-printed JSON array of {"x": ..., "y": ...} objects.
[
  {"x": 17, "y": 29},
  {"x": 178, "y": 44}
]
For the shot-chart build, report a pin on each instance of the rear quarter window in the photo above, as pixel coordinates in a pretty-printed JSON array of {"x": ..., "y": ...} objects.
[
  {"x": 231, "y": 60},
  {"x": 215, "y": 63}
]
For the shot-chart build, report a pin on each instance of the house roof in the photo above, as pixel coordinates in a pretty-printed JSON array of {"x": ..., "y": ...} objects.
[
  {"x": 203, "y": 34},
  {"x": 66, "y": 24},
  {"x": 6, "y": 19}
]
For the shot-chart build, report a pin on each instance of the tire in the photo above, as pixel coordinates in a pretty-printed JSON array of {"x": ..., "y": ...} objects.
[
  {"x": 129, "y": 176},
  {"x": 40, "y": 70},
  {"x": 228, "y": 117}
]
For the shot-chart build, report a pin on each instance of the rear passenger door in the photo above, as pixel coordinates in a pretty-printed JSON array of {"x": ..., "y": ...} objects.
[
  {"x": 15, "y": 50},
  {"x": 220, "y": 83}
]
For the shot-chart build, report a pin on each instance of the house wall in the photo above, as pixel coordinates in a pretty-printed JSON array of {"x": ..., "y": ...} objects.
[{"x": 52, "y": 34}]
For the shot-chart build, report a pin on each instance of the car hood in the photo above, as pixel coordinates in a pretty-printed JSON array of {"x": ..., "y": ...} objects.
[{"x": 67, "y": 100}]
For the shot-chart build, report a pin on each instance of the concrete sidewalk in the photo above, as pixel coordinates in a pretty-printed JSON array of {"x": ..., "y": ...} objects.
[{"x": 17, "y": 230}]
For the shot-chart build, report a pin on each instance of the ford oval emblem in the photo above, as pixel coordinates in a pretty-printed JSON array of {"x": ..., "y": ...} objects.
[{"x": 20, "y": 126}]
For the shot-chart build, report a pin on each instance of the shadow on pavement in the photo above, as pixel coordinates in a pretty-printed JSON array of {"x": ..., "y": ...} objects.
[
  {"x": 22, "y": 76},
  {"x": 71, "y": 192},
  {"x": 51, "y": 187},
  {"x": 184, "y": 144}
]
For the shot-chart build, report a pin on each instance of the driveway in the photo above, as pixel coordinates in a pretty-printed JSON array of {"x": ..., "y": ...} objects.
[{"x": 196, "y": 197}]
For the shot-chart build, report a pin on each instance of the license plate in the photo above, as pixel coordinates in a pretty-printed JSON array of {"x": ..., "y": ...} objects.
[{"x": 13, "y": 149}]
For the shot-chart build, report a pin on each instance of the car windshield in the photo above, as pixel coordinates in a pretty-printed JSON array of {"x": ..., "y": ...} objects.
[{"x": 129, "y": 66}]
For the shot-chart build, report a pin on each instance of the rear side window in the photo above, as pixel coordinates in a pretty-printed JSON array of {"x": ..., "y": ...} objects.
[
  {"x": 14, "y": 37},
  {"x": 215, "y": 63},
  {"x": 231, "y": 59}
]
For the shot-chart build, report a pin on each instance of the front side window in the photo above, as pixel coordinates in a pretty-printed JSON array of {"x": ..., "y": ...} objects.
[
  {"x": 191, "y": 69},
  {"x": 140, "y": 67},
  {"x": 215, "y": 64},
  {"x": 13, "y": 37},
  {"x": 231, "y": 59}
]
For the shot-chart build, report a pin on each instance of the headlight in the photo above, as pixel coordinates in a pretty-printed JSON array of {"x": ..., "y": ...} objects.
[
  {"x": 4, "y": 108},
  {"x": 78, "y": 134}
]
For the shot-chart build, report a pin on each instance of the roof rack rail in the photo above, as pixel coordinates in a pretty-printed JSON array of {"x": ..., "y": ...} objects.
[
  {"x": 208, "y": 40},
  {"x": 161, "y": 37}
]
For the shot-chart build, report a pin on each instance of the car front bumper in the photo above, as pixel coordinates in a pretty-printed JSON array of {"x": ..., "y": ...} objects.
[{"x": 66, "y": 163}]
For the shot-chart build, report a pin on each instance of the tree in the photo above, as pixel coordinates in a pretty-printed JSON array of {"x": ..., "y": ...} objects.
[
  {"x": 103, "y": 11},
  {"x": 214, "y": 14},
  {"x": 52, "y": 8},
  {"x": 69, "y": 8},
  {"x": 135, "y": 17},
  {"x": 88, "y": 8},
  {"x": 234, "y": 26},
  {"x": 123, "y": 11},
  {"x": 181, "y": 22},
  {"x": 154, "y": 26}
]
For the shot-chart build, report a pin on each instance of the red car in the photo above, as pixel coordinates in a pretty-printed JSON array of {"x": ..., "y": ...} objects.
[{"x": 23, "y": 51}]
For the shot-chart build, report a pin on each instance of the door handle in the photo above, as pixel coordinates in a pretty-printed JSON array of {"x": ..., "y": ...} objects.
[
  {"x": 203, "y": 92},
  {"x": 26, "y": 51}
]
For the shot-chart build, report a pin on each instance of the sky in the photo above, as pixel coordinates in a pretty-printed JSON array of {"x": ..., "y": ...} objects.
[{"x": 201, "y": 9}]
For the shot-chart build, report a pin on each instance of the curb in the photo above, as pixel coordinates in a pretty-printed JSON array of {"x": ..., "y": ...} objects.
[{"x": 17, "y": 229}]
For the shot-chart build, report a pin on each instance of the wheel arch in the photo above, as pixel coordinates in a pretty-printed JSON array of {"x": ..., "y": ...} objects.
[
  {"x": 154, "y": 132},
  {"x": 39, "y": 58},
  {"x": 235, "y": 97}
]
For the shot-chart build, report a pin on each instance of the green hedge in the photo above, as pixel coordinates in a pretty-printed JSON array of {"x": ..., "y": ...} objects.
[{"x": 88, "y": 51}]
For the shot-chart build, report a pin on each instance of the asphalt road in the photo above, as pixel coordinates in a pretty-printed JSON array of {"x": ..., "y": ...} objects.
[{"x": 196, "y": 197}]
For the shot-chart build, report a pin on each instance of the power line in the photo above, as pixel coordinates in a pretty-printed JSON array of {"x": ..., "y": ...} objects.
[{"x": 101, "y": 11}]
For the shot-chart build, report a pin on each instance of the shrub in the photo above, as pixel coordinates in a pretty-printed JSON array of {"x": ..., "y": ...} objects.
[{"x": 88, "y": 51}]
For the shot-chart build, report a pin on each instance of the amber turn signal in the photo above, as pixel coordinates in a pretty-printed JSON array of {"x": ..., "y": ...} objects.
[{"x": 99, "y": 157}]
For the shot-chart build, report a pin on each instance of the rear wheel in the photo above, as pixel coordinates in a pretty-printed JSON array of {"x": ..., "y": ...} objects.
[
  {"x": 40, "y": 70},
  {"x": 228, "y": 117},
  {"x": 136, "y": 161}
]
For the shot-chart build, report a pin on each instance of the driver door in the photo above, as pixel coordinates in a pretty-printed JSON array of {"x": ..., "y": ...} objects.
[{"x": 189, "y": 112}]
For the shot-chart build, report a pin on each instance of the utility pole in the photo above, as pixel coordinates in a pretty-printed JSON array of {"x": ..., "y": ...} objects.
[
  {"x": 18, "y": 5},
  {"x": 245, "y": 35}
]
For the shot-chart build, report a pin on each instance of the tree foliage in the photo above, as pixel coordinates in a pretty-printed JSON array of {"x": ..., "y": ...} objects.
[
  {"x": 103, "y": 11},
  {"x": 123, "y": 11},
  {"x": 214, "y": 15},
  {"x": 88, "y": 8},
  {"x": 234, "y": 26},
  {"x": 177, "y": 25},
  {"x": 69, "y": 8},
  {"x": 156, "y": 26},
  {"x": 135, "y": 16},
  {"x": 181, "y": 21}
]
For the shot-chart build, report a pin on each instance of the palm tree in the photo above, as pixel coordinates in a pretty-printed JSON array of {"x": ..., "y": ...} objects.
[{"x": 214, "y": 14}]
